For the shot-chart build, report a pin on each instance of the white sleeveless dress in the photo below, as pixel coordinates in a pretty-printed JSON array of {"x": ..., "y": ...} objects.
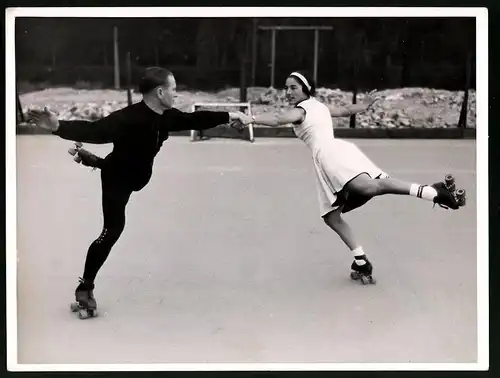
[{"x": 336, "y": 161}]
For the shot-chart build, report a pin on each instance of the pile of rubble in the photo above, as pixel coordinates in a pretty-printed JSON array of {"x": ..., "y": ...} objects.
[
  {"x": 407, "y": 107},
  {"x": 394, "y": 108}
]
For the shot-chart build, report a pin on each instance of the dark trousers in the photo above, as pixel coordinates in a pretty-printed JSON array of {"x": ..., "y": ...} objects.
[{"x": 115, "y": 196}]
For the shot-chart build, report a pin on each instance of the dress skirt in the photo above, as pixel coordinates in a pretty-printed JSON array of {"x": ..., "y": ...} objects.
[{"x": 336, "y": 163}]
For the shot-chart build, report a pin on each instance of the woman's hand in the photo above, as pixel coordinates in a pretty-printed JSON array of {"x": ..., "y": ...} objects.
[{"x": 369, "y": 99}]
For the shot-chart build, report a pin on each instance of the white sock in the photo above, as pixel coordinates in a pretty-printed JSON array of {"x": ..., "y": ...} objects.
[
  {"x": 423, "y": 191},
  {"x": 358, "y": 252}
]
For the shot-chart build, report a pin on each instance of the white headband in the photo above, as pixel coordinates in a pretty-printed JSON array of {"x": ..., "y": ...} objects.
[{"x": 301, "y": 77}]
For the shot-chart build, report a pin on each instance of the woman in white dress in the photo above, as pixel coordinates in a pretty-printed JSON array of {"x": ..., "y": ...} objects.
[{"x": 346, "y": 177}]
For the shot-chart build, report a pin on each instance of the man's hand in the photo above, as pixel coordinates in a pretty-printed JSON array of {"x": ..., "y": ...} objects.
[
  {"x": 236, "y": 124},
  {"x": 44, "y": 119},
  {"x": 244, "y": 118},
  {"x": 239, "y": 120}
]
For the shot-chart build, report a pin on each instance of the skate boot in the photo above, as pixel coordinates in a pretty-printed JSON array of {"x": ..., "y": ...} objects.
[
  {"x": 85, "y": 304},
  {"x": 87, "y": 158},
  {"x": 362, "y": 272},
  {"x": 448, "y": 197}
]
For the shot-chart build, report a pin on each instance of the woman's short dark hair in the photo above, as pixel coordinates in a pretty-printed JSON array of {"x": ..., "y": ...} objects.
[
  {"x": 152, "y": 78},
  {"x": 306, "y": 82}
]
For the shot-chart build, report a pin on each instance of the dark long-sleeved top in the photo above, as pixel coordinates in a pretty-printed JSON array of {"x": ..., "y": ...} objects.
[{"x": 137, "y": 134}]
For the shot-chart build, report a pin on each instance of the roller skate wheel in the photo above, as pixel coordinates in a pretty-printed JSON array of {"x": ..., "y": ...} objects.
[
  {"x": 449, "y": 182},
  {"x": 85, "y": 313},
  {"x": 460, "y": 196},
  {"x": 78, "y": 159},
  {"x": 355, "y": 276},
  {"x": 449, "y": 178},
  {"x": 72, "y": 151},
  {"x": 74, "y": 307},
  {"x": 79, "y": 144},
  {"x": 367, "y": 280}
]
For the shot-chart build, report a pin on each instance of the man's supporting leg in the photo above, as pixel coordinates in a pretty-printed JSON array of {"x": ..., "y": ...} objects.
[{"x": 114, "y": 202}]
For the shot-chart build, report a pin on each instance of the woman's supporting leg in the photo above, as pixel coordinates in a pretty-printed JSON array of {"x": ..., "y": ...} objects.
[{"x": 335, "y": 221}]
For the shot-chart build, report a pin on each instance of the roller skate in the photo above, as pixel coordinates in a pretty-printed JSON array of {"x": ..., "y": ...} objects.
[
  {"x": 363, "y": 272},
  {"x": 459, "y": 194},
  {"x": 85, "y": 157},
  {"x": 449, "y": 197},
  {"x": 85, "y": 304}
]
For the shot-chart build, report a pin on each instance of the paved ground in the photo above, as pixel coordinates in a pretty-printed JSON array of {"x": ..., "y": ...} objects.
[{"x": 225, "y": 259}]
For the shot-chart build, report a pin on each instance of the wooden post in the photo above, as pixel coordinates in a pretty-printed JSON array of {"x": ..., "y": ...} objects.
[
  {"x": 273, "y": 30},
  {"x": 129, "y": 79},
  {"x": 352, "y": 120},
  {"x": 316, "y": 54},
  {"x": 116, "y": 57},
  {"x": 273, "y": 55},
  {"x": 254, "y": 50},
  {"x": 462, "y": 122},
  {"x": 243, "y": 88},
  {"x": 20, "y": 108}
]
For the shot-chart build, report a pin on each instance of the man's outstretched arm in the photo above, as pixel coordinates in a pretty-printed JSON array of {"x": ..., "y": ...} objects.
[
  {"x": 176, "y": 120},
  {"x": 101, "y": 131}
]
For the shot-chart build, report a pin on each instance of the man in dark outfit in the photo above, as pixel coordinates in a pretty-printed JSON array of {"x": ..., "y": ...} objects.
[{"x": 137, "y": 133}]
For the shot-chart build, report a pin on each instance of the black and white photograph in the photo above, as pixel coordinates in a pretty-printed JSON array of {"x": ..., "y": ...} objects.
[{"x": 247, "y": 189}]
